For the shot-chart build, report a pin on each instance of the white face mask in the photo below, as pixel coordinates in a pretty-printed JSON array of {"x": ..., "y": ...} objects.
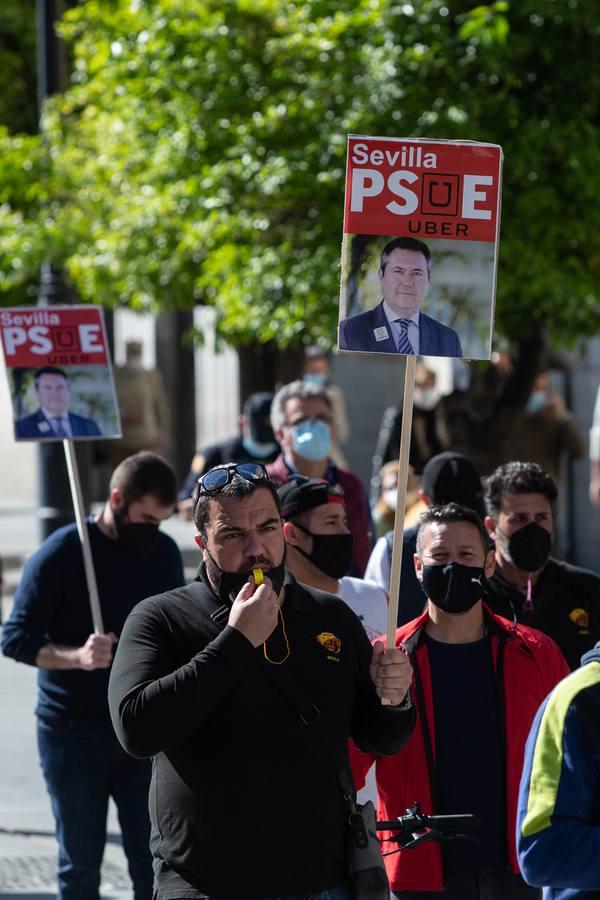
[
  {"x": 390, "y": 497},
  {"x": 426, "y": 398}
]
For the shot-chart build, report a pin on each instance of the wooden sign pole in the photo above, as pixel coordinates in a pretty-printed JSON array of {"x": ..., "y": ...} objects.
[
  {"x": 407, "y": 413},
  {"x": 84, "y": 537}
]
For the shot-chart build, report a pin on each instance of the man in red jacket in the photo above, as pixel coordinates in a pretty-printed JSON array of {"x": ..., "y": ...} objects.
[
  {"x": 478, "y": 681},
  {"x": 302, "y": 420}
]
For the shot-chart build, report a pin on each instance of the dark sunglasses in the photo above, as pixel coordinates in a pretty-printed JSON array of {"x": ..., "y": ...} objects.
[{"x": 217, "y": 478}]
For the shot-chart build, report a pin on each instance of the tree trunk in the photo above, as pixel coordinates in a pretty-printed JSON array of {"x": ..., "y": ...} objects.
[{"x": 175, "y": 361}]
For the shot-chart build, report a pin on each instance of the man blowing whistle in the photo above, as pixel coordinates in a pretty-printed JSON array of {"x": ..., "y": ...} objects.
[{"x": 200, "y": 683}]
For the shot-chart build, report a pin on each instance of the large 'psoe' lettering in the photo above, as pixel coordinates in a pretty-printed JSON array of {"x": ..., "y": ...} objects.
[
  {"x": 371, "y": 183},
  {"x": 38, "y": 339}
]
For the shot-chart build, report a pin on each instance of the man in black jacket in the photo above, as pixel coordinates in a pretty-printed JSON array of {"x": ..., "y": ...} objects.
[
  {"x": 246, "y": 694},
  {"x": 529, "y": 585}
]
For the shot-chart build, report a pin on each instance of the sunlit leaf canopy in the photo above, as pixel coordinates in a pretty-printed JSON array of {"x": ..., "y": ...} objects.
[{"x": 198, "y": 154}]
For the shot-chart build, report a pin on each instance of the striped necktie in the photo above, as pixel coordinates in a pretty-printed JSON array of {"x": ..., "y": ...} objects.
[
  {"x": 58, "y": 427},
  {"x": 404, "y": 345}
]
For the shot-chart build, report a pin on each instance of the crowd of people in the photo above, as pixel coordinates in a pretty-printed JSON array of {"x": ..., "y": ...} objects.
[{"x": 264, "y": 692}]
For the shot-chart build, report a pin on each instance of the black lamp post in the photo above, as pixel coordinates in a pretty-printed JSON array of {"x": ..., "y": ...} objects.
[{"x": 55, "y": 507}]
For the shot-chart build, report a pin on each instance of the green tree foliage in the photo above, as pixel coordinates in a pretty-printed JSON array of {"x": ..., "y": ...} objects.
[
  {"x": 199, "y": 152},
  {"x": 18, "y": 105}
]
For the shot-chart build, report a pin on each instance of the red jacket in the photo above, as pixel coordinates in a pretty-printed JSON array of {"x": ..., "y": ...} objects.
[
  {"x": 528, "y": 664},
  {"x": 355, "y": 501}
]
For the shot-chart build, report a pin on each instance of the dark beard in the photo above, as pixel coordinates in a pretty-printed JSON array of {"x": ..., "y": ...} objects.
[{"x": 227, "y": 585}]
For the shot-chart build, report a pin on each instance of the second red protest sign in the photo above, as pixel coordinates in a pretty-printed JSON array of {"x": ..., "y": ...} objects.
[{"x": 419, "y": 255}]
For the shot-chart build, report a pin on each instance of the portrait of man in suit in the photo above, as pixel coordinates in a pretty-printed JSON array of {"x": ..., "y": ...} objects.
[
  {"x": 53, "y": 418},
  {"x": 397, "y": 324}
]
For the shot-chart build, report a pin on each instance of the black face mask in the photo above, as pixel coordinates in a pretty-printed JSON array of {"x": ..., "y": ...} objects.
[
  {"x": 453, "y": 588},
  {"x": 529, "y": 547},
  {"x": 228, "y": 584},
  {"x": 139, "y": 537},
  {"x": 331, "y": 553}
]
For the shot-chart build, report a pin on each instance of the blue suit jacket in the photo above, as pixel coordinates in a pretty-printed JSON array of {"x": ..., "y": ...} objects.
[
  {"x": 37, "y": 426},
  {"x": 359, "y": 333}
]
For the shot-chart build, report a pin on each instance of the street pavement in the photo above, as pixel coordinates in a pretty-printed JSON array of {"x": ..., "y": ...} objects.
[{"x": 27, "y": 845}]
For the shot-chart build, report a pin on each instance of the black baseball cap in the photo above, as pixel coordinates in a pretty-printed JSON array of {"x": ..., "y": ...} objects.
[
  {"x": 452, "y": 478},
  {"x": 257, "y": 410},
  {"x": 300, "y": 494}
]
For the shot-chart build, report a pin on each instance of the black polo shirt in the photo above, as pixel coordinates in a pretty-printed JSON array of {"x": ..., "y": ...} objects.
[
  {"x": 566, "y": 606},
  {"x": 245, "y": 800}
]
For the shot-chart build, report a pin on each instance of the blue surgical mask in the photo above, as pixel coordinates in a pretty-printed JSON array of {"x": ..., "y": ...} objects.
[
  {"x": 258, "y": 450},
  {"x": 537, "y": 401},
  {"x": 312, "y": 439},
  {"x": 319, "y": 380}
]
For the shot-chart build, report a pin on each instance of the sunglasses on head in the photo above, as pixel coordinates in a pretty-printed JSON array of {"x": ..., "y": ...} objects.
[{"x": 216, "y": 479}]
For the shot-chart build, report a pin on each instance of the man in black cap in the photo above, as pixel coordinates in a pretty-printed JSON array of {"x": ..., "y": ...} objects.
[
  {"x": 319, "y": 548},
  {"x": 447, "y": 478},
  {"x": 255, "y": 443}
]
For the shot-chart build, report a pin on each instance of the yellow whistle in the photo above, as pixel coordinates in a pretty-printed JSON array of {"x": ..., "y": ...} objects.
[{"x": 258, "y": 576}]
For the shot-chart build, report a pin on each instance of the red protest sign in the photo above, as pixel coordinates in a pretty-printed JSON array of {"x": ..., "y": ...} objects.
[
  {"x": 54, "y": 336},
  {"x": 419, "y": 254},
  {"x": 59, "y": 372},
  {"x": 422, "y": 188}
]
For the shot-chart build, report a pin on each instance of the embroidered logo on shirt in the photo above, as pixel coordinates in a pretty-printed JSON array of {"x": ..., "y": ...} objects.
[
  {"x": 330, "y": 642},
  {"x": 580, "y": 617},
  {"x": 381, "y": 334}
]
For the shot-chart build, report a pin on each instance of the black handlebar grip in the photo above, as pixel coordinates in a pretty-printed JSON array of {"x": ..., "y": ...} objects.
[{"x": 466, "y": 822}]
